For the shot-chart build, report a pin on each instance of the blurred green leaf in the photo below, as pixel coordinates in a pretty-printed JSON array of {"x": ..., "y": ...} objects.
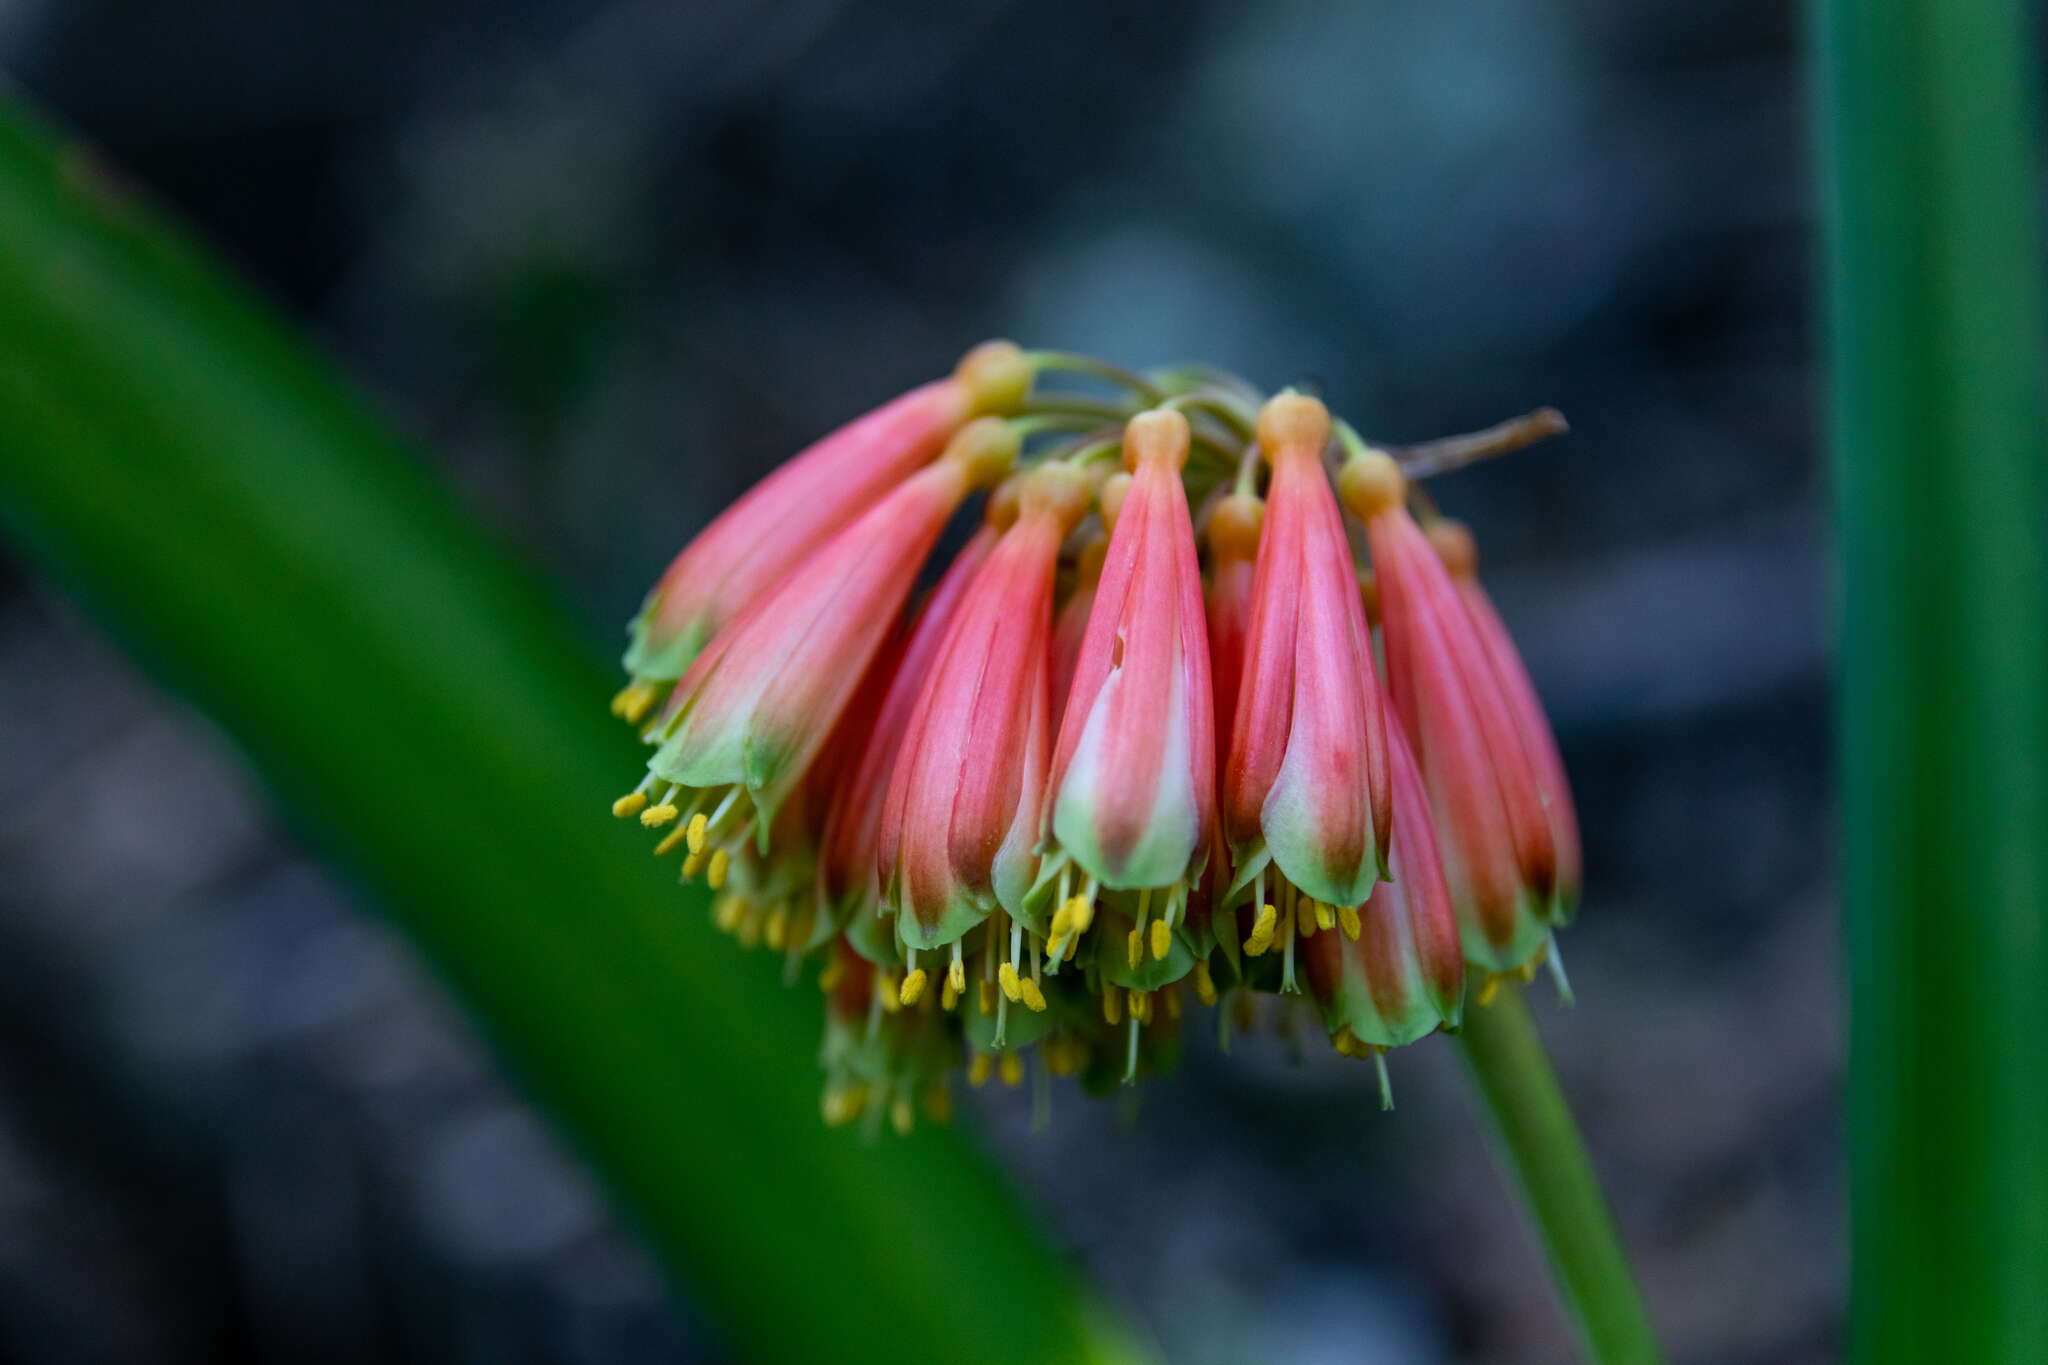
[
  {"x": 167, "y": 452},
  {"x": 1941, "y": 469}
]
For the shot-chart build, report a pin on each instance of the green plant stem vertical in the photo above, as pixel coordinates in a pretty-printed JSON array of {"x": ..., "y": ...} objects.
[
  {"x": 1940, "y": 433},
  {"x": 1542, "y": 1147}
]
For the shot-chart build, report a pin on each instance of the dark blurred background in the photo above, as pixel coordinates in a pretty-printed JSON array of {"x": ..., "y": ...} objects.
[{"x": 609, "y": 262}]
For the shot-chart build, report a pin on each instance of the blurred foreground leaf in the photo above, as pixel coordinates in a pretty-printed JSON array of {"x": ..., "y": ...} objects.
[
  {"x": 167, "y": 452},
  {"x": 1941, "y": 473}
]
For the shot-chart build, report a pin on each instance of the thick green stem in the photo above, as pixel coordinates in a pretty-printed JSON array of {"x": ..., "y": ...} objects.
[{"x": 1542, "y": 1147}]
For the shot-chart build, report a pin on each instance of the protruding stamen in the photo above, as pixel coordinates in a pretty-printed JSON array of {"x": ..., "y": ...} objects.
[
  {"x": 978, "y": 1069},
  {"x": 1261, "y": 937},
  {"x": 632, "y": 803},
  {"x": 1013, "y": 1070},
  {"x": 1205, "y": 984},
  {"x": 1305, "y": 918},
  {"x": 1171, "y": 995},
  {"x": 1379, "y": 1060},
  {"x": 885, "y": 991},
  {"x": 669, "y": 843},
  {"x": 903, "y": 1115},
  {"x": 1488, "y": 989},
  {"x": 834, "y": 973},
  {"x": 714, "y": 871},
  {"x": 633, "y": 701},
  {"x": 1556, "y": 961},
  {"x": 1326, "y": 915},
  {"x": 1032, "y": 994},
  {"x": 956, "y": 975},
  {"x": 776, "y": 932},
  {"x": 654, "y": 817},
  {"x": 912, "y": 987},
  {"x": 1131, "y": 1052},
  {"x": 1011, "y": 982},
  {"x": 1134, "y": 947},
  {"x": 1162, "y": 939},
  {"x": 694, "y": 864},
  {"x": 1112, "y": 1003},
  {"x": 985, "y": 996},
  {"x": 1347, "y": 919},
  {"x": 694, "y": 831}
]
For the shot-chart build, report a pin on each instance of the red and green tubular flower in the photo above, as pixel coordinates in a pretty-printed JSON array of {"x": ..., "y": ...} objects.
[
  {"x": 790, "y": 513},
  {"x": 960, "y": 826},
  {"x": 1396, "y": 972},
  {"x": 849, "y": 888},
  {"x": 744, "y": 723},
  {"x": 1132, "y": 800},
  {"x": 1460, "y": 555},
  {"x": 1499, "y": 855},
  {"x": 1306, "y": 789}
]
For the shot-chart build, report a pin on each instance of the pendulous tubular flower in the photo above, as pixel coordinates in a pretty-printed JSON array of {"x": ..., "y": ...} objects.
[
  {"x": 1494, "y": 828},
  {"x": 1110, "y": 769},
  {"x": 781, "y": 519},
  {"x": 1131, "y": 805}
]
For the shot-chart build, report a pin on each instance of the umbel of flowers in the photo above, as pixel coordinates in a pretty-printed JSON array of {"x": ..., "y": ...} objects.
[{"x": 1135, "y": 751}]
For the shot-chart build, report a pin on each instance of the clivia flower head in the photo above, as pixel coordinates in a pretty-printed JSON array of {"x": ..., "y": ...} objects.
[
  {"x": 1494, "y": 828},
  {"x": 1110, "y": 768}
]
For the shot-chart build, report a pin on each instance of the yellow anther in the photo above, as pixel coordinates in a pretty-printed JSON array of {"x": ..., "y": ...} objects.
[
  {"x": 986, "y": 997},
  {"x": 632, "y": 803},
  {"x": 714, "y": 871},
  {"x": 912, "y": 987},
  {"x": 956, "y": 976},
  {"x": 948, "y": 997},
  {"x": 1344, "y": 1041},
  {"x": 1083, "y": 911},
  {"x": 1134, "y": 947},
  {"x": 1141, "y": 1006},
  {"x": 1112, "y": 1004},
  {"x": 776, "y": 935},
  {"x": 834, "y": 973},
  {"x": 1527, "y": 971},
  {"x": 654, "y": 817},
  {"x": 1487, "y": 991},
  {"x": 693, "y": 864},
  {"x": 885, "y": 991},
  {"x": 750, "y": 928},
  {"x": 694, "y": 831},
  {"x": 633, "y": 700},
  {"x": 1347, "y": 917},
  {"x": 1205, "y": 984},
  {"x": 1162, "y": 939},
  {"x": 1013, "y": 1070},
  {"x": 1057, "y": 946},
  {"x": 1011, "y": 984},
  {"x": 1305, "y": 917},
  {"x": 1326, "y": 915},
  {"x": 1171, "y": 994},
  {"x": 1063, "y": 921},
  {"x": 1034, "y": 998},
  {"x": 978, "y": 1069},
  {"x": 1263, "y": 929},
  {"x": 727, "y": 912},
  {"x": 669, "y": 843},
  {"x": 903, "y": 1114},
  {"x": 844, "y": 1106}
]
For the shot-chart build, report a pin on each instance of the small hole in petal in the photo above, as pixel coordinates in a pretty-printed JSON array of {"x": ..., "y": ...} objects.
[{"x": 1116, "y": 651}]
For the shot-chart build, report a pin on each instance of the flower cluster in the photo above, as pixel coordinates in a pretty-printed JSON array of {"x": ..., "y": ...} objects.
[{"x": 1134, "y": 751}]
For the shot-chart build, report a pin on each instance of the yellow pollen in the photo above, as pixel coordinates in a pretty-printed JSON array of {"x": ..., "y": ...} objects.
[
  {"x": 912, "y": 987},
  {"x": 1134, "y": 947},
  {"x": 1345, "y": 1042},
  {"x": 1205, "y": 984},
  {"x": 986, "y": 997},
  {"x": 654, "y": 817},
  {"x": 634, "y": 699},
  {"x": 727, "y": 911},
  {"x": 956, "y": 976},
  {"x": 776, "y": 935},
  {"x": 1012, "y": 986},
  {"x": 903, "y": 1115},
  {"x": 1112, "y": 1004},
  {"x": 695, "y": 832},
  {"x": 1162, "y": 939},
  {"x": 1527, "y": 971},
  {"x": 978, "y": 1069},
  {"x": 693, "y": 864},
  {"x": 885, "y": 991},
  {"x": 834, "y": 973},
  {"x": 1305, "y": 917},
  {"x": 669, "y": 843},
  {"x": 1489, "y": 990},
  {"x": 1347, "y": 917},
  {"x": 1063, "y": 921},
  {"x": 1081, "y": 913},
  {"x": 844, "y": 1106},
  {"x": 750, "y": 928},
  {"x": 1326, "y": 915},
  {"x": 632, "y": 803},
  {"x": 1263, "y": 929},
  {"x": 1141, "y": 1006},
  {"x": 1034, "y": 998},
  {"x": 1057, "y": 946},
  {"x": 948, "y": 997},
  {"x": 714, "y": 873},
  {"x": 1013, "y": 1070}
]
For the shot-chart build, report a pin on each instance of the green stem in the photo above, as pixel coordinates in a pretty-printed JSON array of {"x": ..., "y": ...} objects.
[{"x": 1549, "y": 1161}]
